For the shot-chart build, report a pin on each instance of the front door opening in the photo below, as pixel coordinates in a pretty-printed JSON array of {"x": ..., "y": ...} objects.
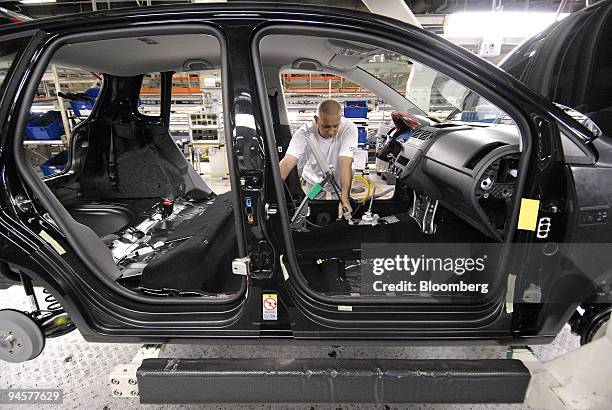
[{"x": 434, "y": 172}]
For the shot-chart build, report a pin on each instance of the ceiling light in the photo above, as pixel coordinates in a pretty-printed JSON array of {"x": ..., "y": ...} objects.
[
  {"x": 501, "y": 24},
  {"x": 36, "y": 1}
]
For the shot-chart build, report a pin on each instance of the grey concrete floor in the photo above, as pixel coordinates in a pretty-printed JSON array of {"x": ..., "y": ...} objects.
[{"x": 81, "y": 369}]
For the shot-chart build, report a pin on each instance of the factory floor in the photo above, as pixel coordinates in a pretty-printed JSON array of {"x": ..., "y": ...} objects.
[{"x": 82, "y": 369}]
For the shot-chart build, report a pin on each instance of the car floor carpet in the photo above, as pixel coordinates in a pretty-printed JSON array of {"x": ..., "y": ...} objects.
[
  {"x": 329, "y": 256},
  {"x": 201, "y": 256}
]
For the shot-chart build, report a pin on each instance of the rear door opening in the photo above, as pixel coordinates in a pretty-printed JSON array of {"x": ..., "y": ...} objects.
[{"x": 143, "y": 213}]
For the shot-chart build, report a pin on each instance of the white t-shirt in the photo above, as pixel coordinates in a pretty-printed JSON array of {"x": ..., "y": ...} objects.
[{"x": 343, "y": 144}]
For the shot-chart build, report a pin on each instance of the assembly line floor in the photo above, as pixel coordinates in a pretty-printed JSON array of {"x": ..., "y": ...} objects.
[{"x": 82, "y": 369}]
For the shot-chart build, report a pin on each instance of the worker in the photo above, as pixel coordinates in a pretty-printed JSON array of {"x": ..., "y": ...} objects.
[{"x": 336, "y": 138}]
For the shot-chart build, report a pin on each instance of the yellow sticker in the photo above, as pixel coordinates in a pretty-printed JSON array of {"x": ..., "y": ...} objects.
[
  {"x": 528, "y": 216},
  {"x": 54, "y": 244}
]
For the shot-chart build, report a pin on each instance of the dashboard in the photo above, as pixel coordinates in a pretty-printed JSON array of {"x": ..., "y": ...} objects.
[{"x": 469, "y": 169}]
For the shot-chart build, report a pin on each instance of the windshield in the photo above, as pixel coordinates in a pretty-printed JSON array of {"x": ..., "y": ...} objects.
[{"x": 436, "y": 94}]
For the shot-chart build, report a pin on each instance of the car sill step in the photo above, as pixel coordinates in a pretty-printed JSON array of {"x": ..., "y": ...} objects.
[{"x": 171, "y": 380}]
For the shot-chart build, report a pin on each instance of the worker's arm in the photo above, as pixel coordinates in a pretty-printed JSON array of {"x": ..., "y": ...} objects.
[
  {"x": 295, "y": 151},
  {"x": 287, "y": 164},
  {"x": 346, "y": 178}
]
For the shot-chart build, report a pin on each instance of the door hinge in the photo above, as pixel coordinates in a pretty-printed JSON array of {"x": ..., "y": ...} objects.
[{"x": 23, "y": 204}]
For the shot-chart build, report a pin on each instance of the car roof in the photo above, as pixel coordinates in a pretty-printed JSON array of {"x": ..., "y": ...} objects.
[
  {"x": 242, "y": 10},
  {"x": 143, "y": 54}
]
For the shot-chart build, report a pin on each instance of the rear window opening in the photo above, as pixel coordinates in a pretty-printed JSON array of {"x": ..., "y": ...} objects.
[{"x": 127, "y": 133}]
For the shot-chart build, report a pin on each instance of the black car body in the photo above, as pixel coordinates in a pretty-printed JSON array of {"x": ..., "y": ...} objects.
[
  {"x": 559, "y": 162},
  {"x": 569, "y": 63}
]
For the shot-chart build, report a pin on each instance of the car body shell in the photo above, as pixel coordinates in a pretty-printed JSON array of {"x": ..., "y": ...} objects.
[{"x": 102, "y": 313}]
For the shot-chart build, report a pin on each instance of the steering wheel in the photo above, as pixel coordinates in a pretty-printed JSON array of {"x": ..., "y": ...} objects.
[{"x": 391, "y": 148}]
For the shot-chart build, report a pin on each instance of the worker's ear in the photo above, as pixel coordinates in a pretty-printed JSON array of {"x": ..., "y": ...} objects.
[{"x": 316, "y": 117}]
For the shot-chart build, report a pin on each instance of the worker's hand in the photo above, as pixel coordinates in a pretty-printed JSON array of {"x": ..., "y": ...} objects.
[{"x": 347, "y": 205}]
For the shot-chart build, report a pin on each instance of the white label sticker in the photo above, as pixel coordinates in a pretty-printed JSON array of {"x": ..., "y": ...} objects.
[
  {"x": 510, "y": 294},
  {"x": 543, "y": 229},
  {"x": 270, "y": 306}
]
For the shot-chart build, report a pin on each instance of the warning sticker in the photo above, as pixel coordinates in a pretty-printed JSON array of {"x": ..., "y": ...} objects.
[{"x": 270, "y": 306}]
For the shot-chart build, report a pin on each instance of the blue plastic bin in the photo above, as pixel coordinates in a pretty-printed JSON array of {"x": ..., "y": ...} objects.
[
  {"x": 47, "y": 126},
  {"x": 362, "y": 135},
  {"x": 356, "y": 109},
  {"x": 55, "y": 164},
  {"x": 469, "y": 116},
  {"x": 79, "y": 105},
  {"x": 478, "y": 116},
  {"x": 92, "y": 92}
]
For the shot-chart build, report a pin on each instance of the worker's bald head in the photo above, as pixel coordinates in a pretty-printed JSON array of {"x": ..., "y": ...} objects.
[
  {"x": 329, "y": 113},
  {"x": 329, "y": 107}
]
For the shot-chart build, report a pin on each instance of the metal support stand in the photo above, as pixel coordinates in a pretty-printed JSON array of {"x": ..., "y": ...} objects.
[
  {"x": 123, "y": 381},
  {"x": 62, "y": 107}
]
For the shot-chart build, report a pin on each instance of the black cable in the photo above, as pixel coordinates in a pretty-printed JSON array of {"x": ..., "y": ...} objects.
[
  {"x": 290, "y": 195},
  {"x": 312, "y": 223}
]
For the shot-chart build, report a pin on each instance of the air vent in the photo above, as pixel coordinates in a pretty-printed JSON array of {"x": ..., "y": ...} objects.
[
  {"x": 471, "y": 164},
  {"x": 422, "y": 135}
]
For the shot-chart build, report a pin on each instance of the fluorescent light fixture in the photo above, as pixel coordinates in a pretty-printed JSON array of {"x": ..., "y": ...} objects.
[
  {"x": 36, "y": 1},
  {"x": 498, "y": 24}
]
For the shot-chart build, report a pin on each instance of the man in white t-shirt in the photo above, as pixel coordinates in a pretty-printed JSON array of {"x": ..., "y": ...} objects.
[{"x": 337, "y": 140}]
